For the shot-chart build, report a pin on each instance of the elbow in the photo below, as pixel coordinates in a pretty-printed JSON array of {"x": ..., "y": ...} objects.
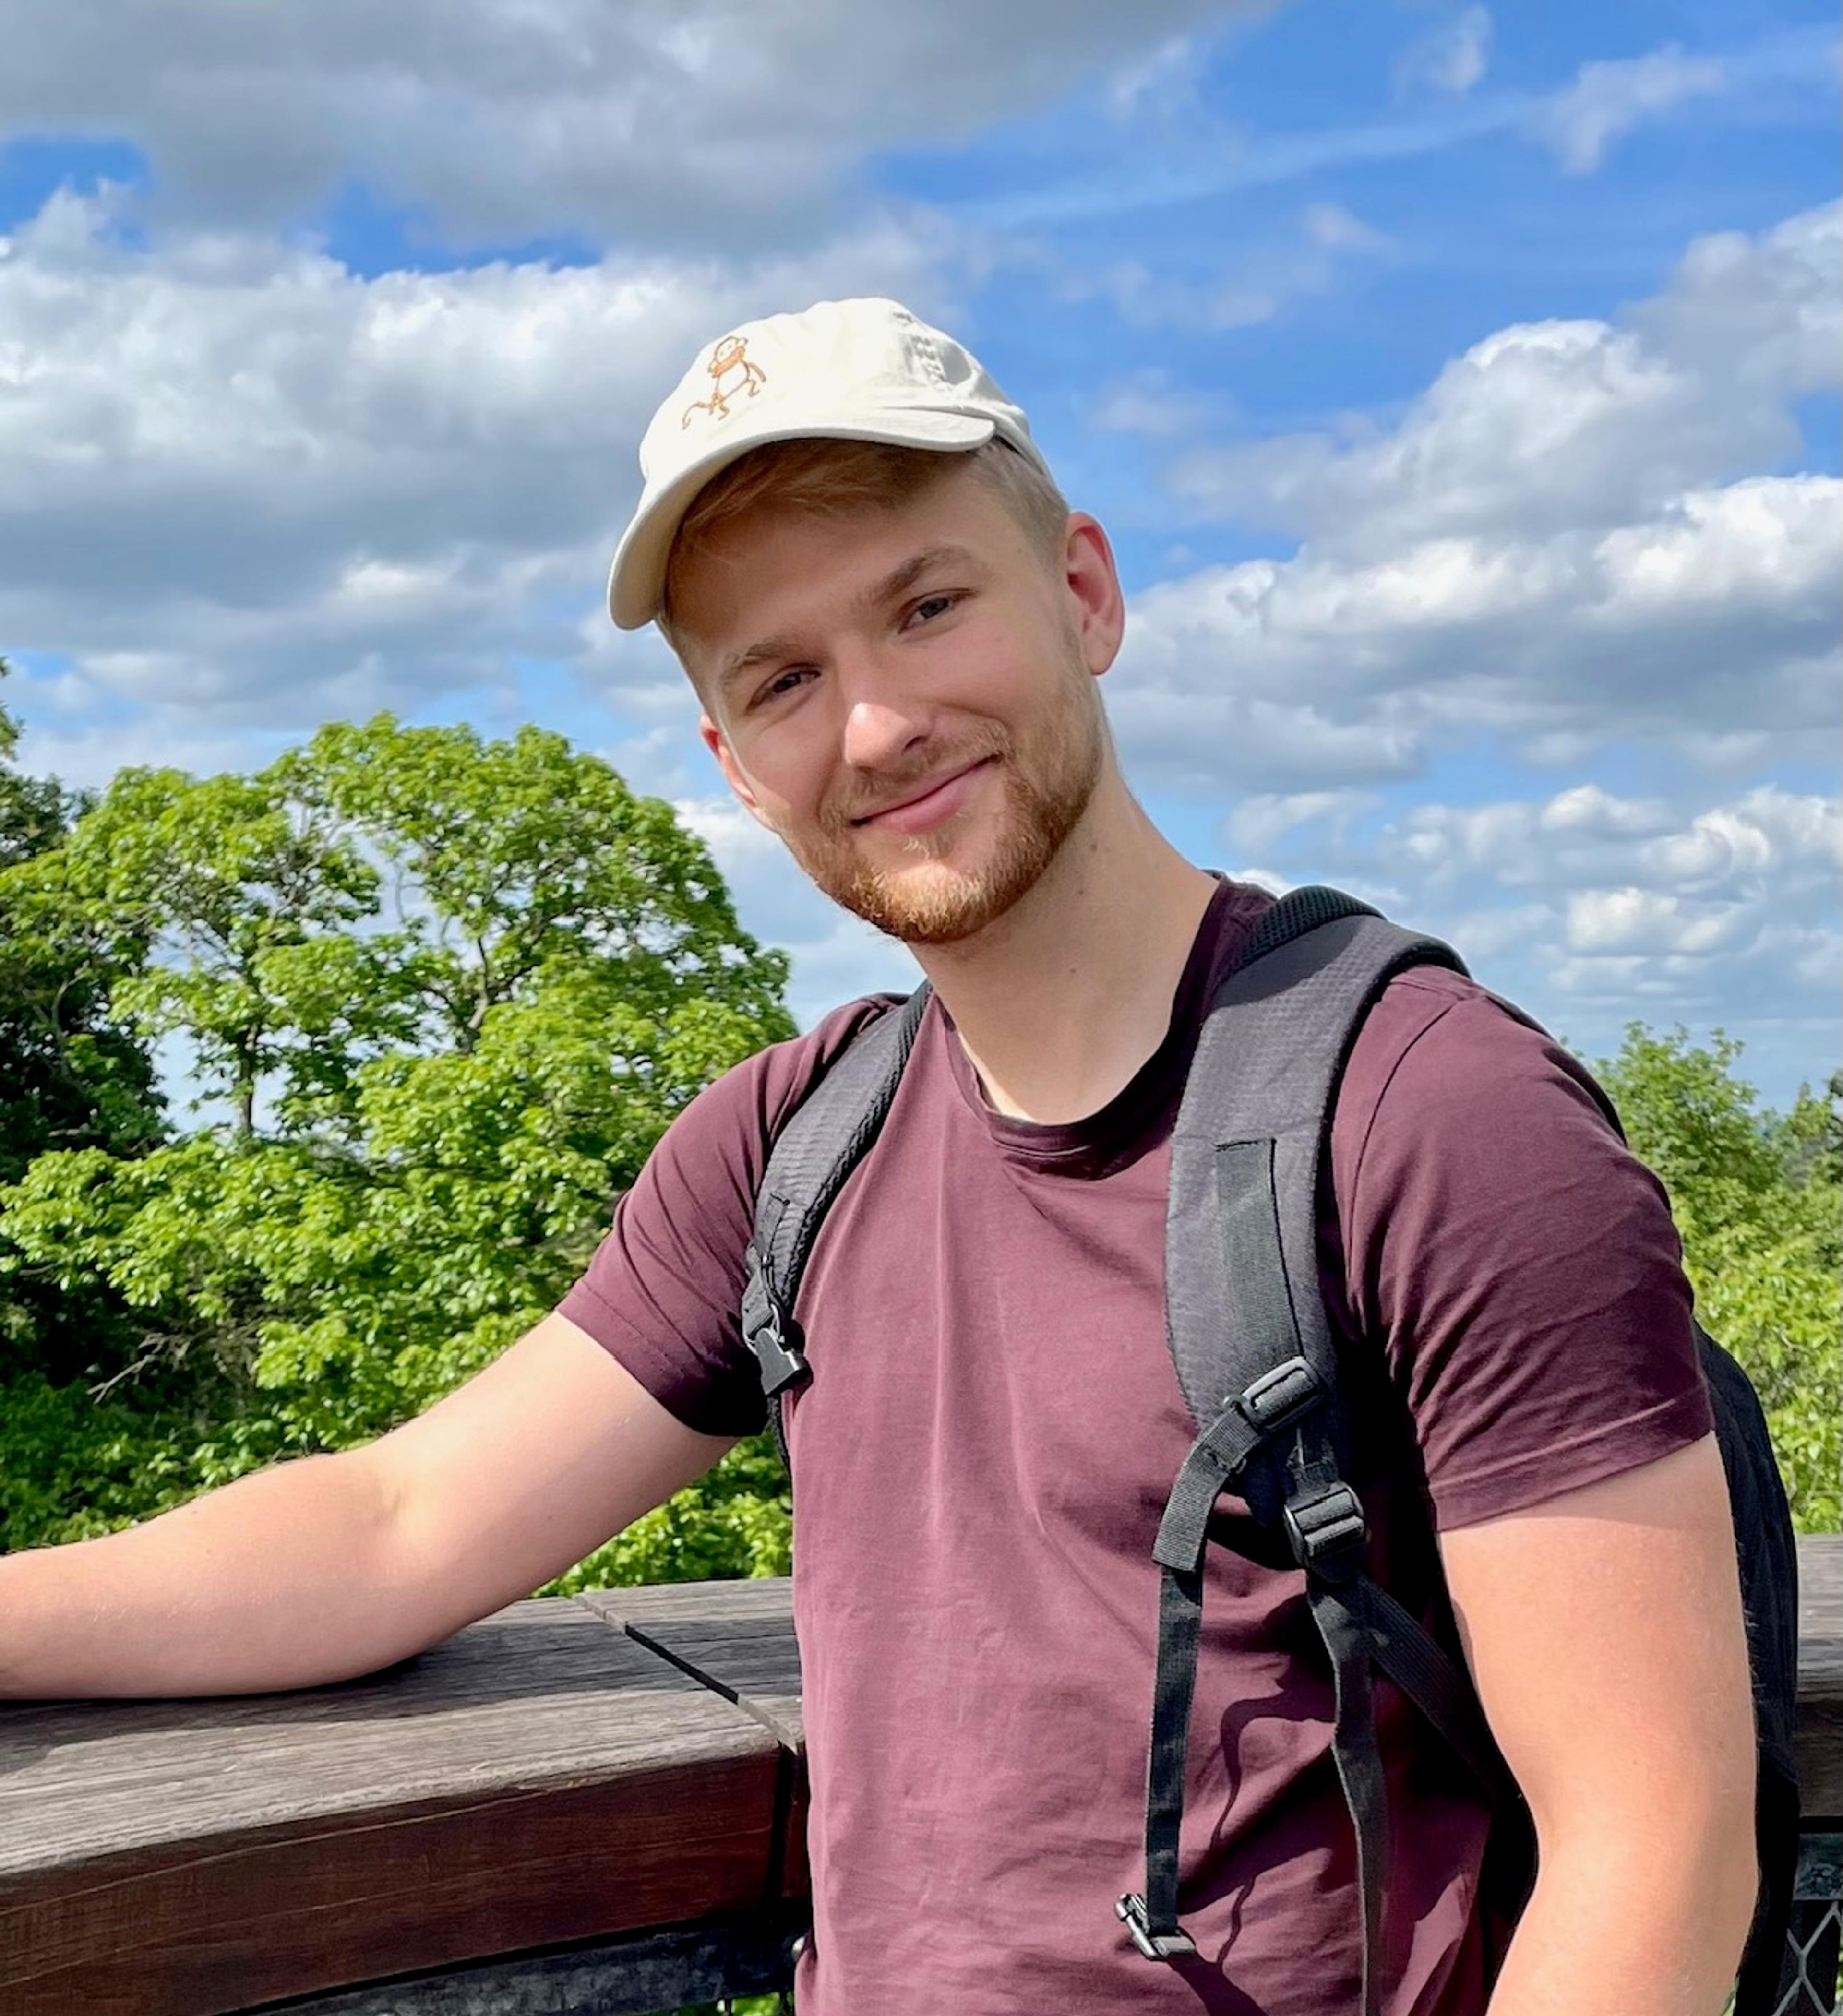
[
  {"x": 1733, "y": 1885},
  {"x": 1720, "y": 1849},
  {"x": 1672, "y": 1885}
]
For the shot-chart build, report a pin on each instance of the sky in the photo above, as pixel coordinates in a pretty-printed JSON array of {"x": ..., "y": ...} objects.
[{"x": 1459, "y": 385}]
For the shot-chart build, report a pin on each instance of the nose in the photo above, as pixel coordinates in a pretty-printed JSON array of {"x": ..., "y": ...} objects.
[{"x": 883, "y": 723}]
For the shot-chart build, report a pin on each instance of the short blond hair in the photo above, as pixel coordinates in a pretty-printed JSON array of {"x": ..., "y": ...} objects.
[{"x": 820, "y": 477}]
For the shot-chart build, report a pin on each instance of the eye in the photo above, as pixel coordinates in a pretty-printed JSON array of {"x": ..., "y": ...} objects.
[
  {"x": 930, "y": 606},
  {"x": 788, "y": 679}
]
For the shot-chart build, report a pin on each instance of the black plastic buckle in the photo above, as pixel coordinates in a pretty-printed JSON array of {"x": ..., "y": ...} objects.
[
  {"x": 778, "y": 1356},
  {"x": 1279, "y": 1396},
  {"x": 1328, "y": 1531},
  {"x": 771, "y": 1333},
  {"x": 1175, "y": 1945}
]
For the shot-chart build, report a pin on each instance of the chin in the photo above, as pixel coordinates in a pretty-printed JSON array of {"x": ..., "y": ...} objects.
[
  {"x": 936, "y": 902},
  {"x": 946, "y": 888}
]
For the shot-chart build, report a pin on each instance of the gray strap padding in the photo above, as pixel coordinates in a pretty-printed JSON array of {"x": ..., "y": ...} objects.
[
  {"x": 1255, "y": 1355},
  {"x": 812, "y": 1156},
  {"x": 1246, "y": 1150},
  {"x": 825, "y": 1140}
]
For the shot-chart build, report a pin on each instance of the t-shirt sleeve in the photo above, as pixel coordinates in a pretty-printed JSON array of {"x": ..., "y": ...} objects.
[
  {"x": 664, "y": 1291},
  {"x": 1519, "y": 1264}
]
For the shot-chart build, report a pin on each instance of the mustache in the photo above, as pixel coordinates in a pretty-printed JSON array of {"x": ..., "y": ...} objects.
[{"x": 843, "y": 807}]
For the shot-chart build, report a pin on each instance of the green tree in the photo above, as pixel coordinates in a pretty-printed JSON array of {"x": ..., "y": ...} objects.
[
  {"x": 71, "y": 1077},
  {"x": 1758, "y": 1199},
  {"x": 442, "y": 996}
]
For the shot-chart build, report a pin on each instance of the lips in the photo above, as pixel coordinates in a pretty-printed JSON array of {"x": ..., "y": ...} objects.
[{"x": 938, "y": 800}]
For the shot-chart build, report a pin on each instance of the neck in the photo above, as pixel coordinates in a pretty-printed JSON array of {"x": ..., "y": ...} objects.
[{"x": 1059, "y": 1001}]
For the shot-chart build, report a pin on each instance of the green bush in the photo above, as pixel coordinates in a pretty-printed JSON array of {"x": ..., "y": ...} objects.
[{"x": 1758, "y": 1198}]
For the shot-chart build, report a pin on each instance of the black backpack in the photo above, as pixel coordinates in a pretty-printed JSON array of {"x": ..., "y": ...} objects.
[{"x": 1257, "y": 1359}]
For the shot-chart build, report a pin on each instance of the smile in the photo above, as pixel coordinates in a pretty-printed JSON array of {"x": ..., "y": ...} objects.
[{"x": 930, "y": 805}]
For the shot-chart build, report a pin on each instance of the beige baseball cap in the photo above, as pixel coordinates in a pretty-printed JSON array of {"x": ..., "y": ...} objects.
[{"x": 857, "y": 370}]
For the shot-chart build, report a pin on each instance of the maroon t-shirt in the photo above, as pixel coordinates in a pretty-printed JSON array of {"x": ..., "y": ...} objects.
[{"x": 984, "y": 1451}]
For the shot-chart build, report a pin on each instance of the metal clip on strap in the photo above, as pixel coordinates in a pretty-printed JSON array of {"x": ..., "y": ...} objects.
[{"x": 1177, "y": 1944}]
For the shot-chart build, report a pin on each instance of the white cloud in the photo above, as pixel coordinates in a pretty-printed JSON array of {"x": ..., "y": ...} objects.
[
  {"x": 1759, "y": 315},
  {"x": 1156, "y": 87},
  {"x": 1586, "y": 837},
  {"x": 1261, "y": 818},
  {"x": 1338, "y": 230},
  {"x": 1259, "y": 283},
  {"x": 1450, "y": 57},
  {"x": 1148, "y": 296},
  {"x": 1291, "y": 676},
  {"x": 1552, "y": 424},
  {"x": 1607, "y": 99},
  {"x": 1150, "y": 402},
  {"x": 1555, "y": 541},
  {"x": 1764, "y": 79},
  {"x": 662, "y": 122},
  {"x": 1591, "y": 906},
  {"x": 239, "y": 479}
]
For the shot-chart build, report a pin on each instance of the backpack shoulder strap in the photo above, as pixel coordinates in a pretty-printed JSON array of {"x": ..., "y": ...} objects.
[
  {"x": 1241, "y": 1266},
  {"x": 824, "y": 1141},
  {"x": 1256, "y": 1358}
]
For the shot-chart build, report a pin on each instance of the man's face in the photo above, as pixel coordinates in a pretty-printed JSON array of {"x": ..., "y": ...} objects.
[{"x": 907, "y": 700}]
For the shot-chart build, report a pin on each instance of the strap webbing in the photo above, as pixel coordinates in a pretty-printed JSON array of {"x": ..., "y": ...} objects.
[
  {"x": 1180, "y": 1623},
  {"x": 1418, "y": 1665},
  {"x": 813, "y": 1155},
  {"x": 1358, "y": 1756},
  {"x": 1246, "y": 1318}
]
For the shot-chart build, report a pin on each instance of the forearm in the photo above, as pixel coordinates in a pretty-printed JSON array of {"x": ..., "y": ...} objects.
[
  {"x": 288, "y": 1578},
  {"x": 1646, "y": 1927}
]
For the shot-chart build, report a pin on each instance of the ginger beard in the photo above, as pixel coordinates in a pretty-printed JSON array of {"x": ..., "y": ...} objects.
[{"x": 1047, "y": 781}]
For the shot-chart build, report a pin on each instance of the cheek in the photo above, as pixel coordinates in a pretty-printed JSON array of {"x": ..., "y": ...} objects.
[{"x": 782, "y": 776}]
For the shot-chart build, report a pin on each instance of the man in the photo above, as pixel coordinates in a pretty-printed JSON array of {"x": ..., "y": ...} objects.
[{"x": 894, "y": 627}]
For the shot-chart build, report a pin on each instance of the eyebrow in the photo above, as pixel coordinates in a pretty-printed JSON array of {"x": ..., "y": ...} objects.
[{"x": 895, "y": 585}]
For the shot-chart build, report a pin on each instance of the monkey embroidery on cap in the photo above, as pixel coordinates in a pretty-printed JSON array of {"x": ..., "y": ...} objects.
[{"x": 727, "y": 359}]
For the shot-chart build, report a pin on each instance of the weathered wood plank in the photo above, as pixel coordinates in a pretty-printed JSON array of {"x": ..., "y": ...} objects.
[
  {"x": 539, "y": 1778},
  {"x": 542, "y": 1778},
  {"x": 1820, "y": 1586},
  {"x": 1820, "y": 1675},
  {"x": 738, "y": 1638}
]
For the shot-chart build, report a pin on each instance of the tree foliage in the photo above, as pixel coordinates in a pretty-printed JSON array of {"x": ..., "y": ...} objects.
[
  {"x": 440, "y": 998},
  {"x": 1758, "y": 1198},
  {"x": 71, "y": 1076},
  {"x": 435, "y": 998}
]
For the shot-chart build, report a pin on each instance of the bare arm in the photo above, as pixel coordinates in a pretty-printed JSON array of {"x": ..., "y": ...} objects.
[
  {"x": 1604, "y": 1631},
  {"x": 320, "y": 1569}
]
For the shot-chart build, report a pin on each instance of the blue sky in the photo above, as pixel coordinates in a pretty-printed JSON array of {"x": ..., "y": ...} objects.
[{"x": 1459, "y": 385}]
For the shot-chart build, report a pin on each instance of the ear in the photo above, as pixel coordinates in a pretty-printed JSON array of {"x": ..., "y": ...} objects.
[
  {"x": 1092, "y": 582},
  {"x": 712, "y": 737}
]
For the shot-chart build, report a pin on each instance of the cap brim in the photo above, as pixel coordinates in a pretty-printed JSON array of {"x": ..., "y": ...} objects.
[{"x": 637, "y": 578}]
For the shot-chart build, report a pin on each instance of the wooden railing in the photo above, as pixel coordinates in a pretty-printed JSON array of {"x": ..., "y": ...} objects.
[{"x": 589, "y": 1804}]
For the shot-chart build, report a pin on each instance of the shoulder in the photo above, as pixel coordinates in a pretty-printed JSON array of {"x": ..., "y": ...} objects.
[
  {"x": 663, "y": 1288},
  {"x": 711, "y": 1158},
  {"x": 753, "y": 1101},
  {"x": 1440, "y": 1062},
  {"x": 1517, "y": 1262},
  {"x": 1457, "y": 1110}
]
